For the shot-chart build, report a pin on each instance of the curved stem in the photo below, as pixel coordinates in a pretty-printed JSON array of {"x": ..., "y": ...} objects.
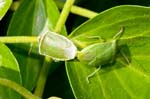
[
  {"x": 19, "y": 39},
  {"x": 46, "y": 66},
  {"x": 21, "y": 90},
  {"x": 42, "y": 77},
  {"x": 74, "y": 9},
  {"x": 79, "y": 10},
  {"x": 63, "y": 16},
  {"x": 83, "y": 12}
]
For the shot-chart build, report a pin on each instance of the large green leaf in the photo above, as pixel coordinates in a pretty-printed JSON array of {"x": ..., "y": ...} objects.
[
  {"x": 9, "y": 69},
  {"x": 4, "y": 5},
  {"x": 129, "y": 76},
  {"x": 31, "y": 18}
]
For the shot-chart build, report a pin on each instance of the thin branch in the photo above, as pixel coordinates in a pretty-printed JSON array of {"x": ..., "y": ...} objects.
[
  {"x": 63, "y": 16},
  {"x": 19, "y": 39},
  {"x": 21, "y": 90},
  {"x": 47, "y": 61},
  {"x": 79, "y": 10}
]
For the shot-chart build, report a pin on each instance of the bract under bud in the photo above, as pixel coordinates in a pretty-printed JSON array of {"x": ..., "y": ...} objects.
[{"x": 56, "y": 46}]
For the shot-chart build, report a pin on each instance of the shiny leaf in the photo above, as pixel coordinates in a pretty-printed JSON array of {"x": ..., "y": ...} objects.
[
  {"x": 9, "y": 69},
  {"x": 4, "y": 6},
  {"x": 129, "y": 76},
  {"x": 32, "y": 18}
]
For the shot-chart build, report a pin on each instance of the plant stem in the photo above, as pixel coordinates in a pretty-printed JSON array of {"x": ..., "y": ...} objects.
[
  {"x": 79, "y": 10},
  {"x": 43, "y": 76},
  {"x": 63, "y": 16},
  {"x": 83, "y": 12},
  {"x": 74, "y": 9},
  {"x": 21, "y": 90},
  {"x": 46, "y": 66},
  {"x": 19, "y": 39}
]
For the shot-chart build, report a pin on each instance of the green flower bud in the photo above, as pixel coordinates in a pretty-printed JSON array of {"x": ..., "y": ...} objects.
[{"x": 56, "y": 46}]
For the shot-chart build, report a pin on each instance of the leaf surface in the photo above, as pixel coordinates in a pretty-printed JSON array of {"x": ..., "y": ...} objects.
[
  {"x": 4, "y": 6},
  {"x": 32, "y": 18},
  {"x": 9, "y": 69},
  {"x": 129, "y": 76}
]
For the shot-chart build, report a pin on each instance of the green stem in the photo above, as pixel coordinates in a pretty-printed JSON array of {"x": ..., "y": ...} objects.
[
  {"x": 63, "y": 16},
  {"x": 21, "y": 90},
  {"x": 83, "y": 12},
  {"x": 42, "y": 77},
  {"x": 74, "y": 9},
  {"x": 19, "y": 39},
  {"x": 46, "y": 66},
  {"x": 79, "y": 10}
]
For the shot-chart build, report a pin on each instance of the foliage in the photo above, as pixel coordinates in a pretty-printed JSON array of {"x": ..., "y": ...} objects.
[{"x": 126, "y": 77}]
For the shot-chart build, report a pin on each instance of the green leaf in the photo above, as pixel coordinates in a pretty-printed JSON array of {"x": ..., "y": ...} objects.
[
  {"x": 31, "y": 18},
  {"x": 4, "y": 6},
  {"x": 129, "y": 76},
  {"x": 9, "y": 69}
]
